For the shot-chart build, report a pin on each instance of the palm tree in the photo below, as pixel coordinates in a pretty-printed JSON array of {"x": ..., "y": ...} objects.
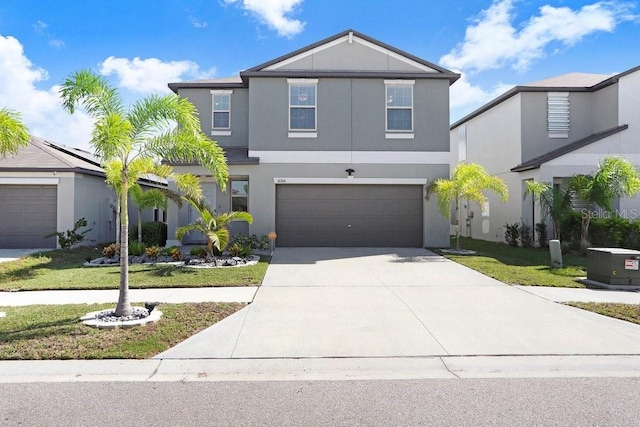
[
  {"x": 214, "y": 227},
  {"x": 13, "y": 134},
  {"x": 152, "y": 198},
  {"x": 468, "y": 181},
  {"x": 555, "y": 202},
  {"x": 613, "y": 178},
  {"x": 131, "y": 143}
]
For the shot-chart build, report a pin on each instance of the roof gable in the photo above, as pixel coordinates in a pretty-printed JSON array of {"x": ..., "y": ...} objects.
[{"x": 350, "y": 52}]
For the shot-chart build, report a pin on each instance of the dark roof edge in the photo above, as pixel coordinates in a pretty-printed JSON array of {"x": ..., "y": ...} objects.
[
  {"x": 351, "y": 74},
  {"x": 205, "y": 85},
  {"x": 517, "y": 89},
  {"x": 538, "y": 161}
]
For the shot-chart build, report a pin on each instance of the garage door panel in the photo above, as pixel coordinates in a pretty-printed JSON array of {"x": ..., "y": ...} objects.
[
  {"x": 349, "y": 215},
  {"x": 28, "y": 213}
]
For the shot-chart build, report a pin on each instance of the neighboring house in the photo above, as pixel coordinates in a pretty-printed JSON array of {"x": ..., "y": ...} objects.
[
  {"x": 46, "y": 188},
  {"x": 330, "y": 145},
  {"x": 547, "y": 131}
]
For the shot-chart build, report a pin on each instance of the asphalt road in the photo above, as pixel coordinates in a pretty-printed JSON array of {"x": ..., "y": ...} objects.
[{"x": 458, "y": 402}]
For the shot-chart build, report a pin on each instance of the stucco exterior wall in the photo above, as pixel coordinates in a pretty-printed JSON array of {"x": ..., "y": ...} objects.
[
  {"x": 262, "y": 190},
  {"x": 202, "y": 99},
  {"x": 493, "y": 141}
]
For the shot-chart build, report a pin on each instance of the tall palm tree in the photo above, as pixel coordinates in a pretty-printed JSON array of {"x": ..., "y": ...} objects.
[
  {"x": 214, "y": 227},
  {"x": 555, "y": 202},
  {"x": 613, "y": 178},
  {"x": 468, "y": 181},
  {"x": 13, "y": 134},
  {"x": 131, "y": 143}
]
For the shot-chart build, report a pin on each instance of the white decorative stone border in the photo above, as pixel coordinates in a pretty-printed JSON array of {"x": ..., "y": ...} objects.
[
  {"x": 251, "y": 260},
  {"x": 90, "y": 319}
]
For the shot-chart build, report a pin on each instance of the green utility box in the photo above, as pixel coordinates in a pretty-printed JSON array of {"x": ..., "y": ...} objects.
[{"x": 613, "y": 268}]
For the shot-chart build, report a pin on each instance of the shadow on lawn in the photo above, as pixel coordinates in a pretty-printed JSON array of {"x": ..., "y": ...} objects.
[{"x": 40, "y": 330}]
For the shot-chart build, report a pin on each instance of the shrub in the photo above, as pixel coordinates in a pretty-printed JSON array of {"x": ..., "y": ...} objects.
[
  {"x": 111, "y": 250},
  {"x": 153, "y": 233},
  {"x": 66, "y": 239},
  {"x": 512, "y": 234},
  {"x": 252, "y": 241},
  {"x": 526, "y": 236},
  {"x": 175, "y": 253},
  {"x": 152, "y": 252},
  {"x": 136, "y": 248},
  {"x": 199, "y": 251},
  {"x": 541, "y": 232}
]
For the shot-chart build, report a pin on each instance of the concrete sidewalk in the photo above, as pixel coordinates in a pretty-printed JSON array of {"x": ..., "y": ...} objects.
[{"x": 165, "y": 295}]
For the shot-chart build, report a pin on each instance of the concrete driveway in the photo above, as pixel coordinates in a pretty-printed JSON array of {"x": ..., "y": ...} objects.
[
  {"x": 366, "y": 302},
  {"x": 13, "y": 254}
]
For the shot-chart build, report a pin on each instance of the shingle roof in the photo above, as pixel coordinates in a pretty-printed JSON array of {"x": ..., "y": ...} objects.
[
  {"x": 234, "y": 155},
  {"x": 42, "y": 155},
  {"x": 544, "y": 158},
  {"x": 570, "y": 80}
]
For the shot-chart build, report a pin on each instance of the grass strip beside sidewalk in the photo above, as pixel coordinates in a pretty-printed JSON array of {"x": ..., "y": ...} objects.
[{"x": 46, "y": 332}]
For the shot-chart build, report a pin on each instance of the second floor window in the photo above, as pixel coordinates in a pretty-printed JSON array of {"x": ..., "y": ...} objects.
[
  {"x": 302, "y": 105},
  {"x": 221, "y": 110},
  {"x": 399, "y": 100}
]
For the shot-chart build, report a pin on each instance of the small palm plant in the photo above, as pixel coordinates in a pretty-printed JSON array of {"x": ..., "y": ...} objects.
[{"x": 213, "y": 227}]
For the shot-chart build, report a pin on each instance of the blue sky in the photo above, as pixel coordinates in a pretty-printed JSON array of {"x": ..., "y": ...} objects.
[{"x": 141, "y": 45}]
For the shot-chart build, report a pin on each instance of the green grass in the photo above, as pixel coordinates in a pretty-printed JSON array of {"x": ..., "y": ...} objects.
[
  {"x": 40, "y": 332},
  {"x": 628, "y": 312},
  {"x": 63, "y": 270},
  {"x": 520, "y": 266}
]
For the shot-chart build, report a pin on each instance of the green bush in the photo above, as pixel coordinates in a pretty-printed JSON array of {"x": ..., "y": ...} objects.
[
  {"x": 153, "y": 233},
  {"x": 136, "y": 248},
  {"x": 541, "y": 231},
  {"x": 67, "y": 239},
  {"x": 199, "y": 251},
  {"x": 526, "y": 236},
  {"x": 512, "y": 234},
  {"x": 252, "y": 241}
]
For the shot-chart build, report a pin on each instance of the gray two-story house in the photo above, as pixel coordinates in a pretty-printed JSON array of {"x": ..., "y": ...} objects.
[
  {"x": 330, "y": 145},
  {"x": 548, "y": 131}
]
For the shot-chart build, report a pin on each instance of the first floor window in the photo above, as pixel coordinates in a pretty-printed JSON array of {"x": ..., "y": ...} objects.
[
  {"x": 239, "y": 194},
  {"x": 302, "y": 104},
  {"x": 399, "y": 105}
]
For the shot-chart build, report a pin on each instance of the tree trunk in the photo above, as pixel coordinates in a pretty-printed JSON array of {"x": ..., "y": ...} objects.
[
  {"x": 139, "y": 225},
  {"x": 584, "y": 231},
  {"x": 124, "y": 306},
  {"x": 118, "y": 222},
  {"x": 458, "y": 213}
]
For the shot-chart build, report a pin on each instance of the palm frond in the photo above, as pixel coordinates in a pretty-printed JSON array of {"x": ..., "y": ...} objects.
[{"x": 13, "y": 133}]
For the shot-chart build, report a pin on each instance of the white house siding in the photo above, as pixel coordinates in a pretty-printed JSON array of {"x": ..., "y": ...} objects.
[{"x": 494, "y": 141}]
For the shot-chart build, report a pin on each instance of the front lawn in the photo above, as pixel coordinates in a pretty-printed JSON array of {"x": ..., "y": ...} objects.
[
  {"x": 520, "y": 266},
  {"x": 40, "y": 332},
  {"x": 628, "y": 312},
  {"x": 62, "y": 269}
]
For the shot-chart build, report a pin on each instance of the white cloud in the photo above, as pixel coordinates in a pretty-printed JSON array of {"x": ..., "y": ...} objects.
[
  {"x": 41, "y": 110},
  {"x": 465, "y": 97},
  {"x": 41, "y": 29},
  {"x": 274, "y": 14},
  {"x": 151, "y": 75},
  {"x": 492, "y": 41},
  {"x": 198, "y": 24}
]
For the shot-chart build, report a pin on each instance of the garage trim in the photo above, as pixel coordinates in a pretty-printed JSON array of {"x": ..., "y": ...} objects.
[
  {"x": 352, "y": 180},
  {"x": 29, "y": 181}
]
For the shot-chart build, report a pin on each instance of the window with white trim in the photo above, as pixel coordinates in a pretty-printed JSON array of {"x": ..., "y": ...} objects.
[
  {"x": 302, "y": 104},
  {"x": 221, "y": 110},
  {"x": 240, "y": 194},
  {"x": 558, "y": 114},
  {"x": 462, "y": 143},
  {"x": 399, "y": 106}
]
